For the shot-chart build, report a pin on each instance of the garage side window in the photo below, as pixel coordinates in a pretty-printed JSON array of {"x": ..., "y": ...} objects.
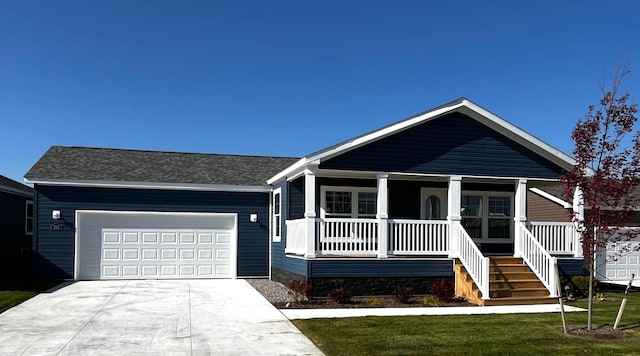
[
  {"x": 28, "y": 220},
  {"x": 277, "y": 215}
]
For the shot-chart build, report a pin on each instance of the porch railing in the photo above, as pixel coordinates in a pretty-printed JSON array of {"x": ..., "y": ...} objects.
[
  {"x": 536, "y": 256},
  {"x": 472, "y": 259},
  {"x": 419, "y": 237},
  {"x": 558, "y": 238},
  {"x": 296, "y": 237},
  {"x": 347, "y": 236}
]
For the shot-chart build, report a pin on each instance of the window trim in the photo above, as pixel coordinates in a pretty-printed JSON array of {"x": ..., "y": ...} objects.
[
  {"x": 276, "y": 218},
  {"x": 28, "y": 224},
  {"x": 485, "y": 214},
  {"x": 354, "y": 202}
]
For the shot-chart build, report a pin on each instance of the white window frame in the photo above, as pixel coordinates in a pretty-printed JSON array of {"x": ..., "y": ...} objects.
[
  {"x": 485, "y": 213},
  {"x": 28, "y": 224},
  {"x": 354, "y": 200},
  {"x": 276, "y": 219}
]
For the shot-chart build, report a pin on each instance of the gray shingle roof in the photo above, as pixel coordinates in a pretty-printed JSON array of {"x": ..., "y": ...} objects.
[
  {"x": 119, "y": 165},
  {"x": 10, "y": 183}
]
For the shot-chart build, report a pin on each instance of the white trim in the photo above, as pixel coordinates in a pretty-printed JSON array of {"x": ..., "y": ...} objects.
[
  {"x": 354, "y": 200},
  {"x": 234, "y": 237},
  {"x": 293, "y": 169},
  {"x": 551, "y": 197},
  {"x": 148, "y": 185},
  {"x": 274, "y": 237},
  {"x": 33, "y": 212}
]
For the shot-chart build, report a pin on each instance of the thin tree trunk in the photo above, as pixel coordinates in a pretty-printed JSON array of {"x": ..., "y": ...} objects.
[{"x": 591, "y": 273}]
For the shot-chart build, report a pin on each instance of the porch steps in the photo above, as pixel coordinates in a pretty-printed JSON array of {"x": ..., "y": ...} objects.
[{"x": 511, "y": 282}]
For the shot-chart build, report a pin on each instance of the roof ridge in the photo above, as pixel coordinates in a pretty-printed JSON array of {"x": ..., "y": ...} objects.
[{"x": 176, "y": 152}]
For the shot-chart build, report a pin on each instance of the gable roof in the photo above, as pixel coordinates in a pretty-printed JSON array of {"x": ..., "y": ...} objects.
[
  {"x": 11, "y": 186},
  {"x": 462, "y": 105},
  {"x": 88, "y": 166}
]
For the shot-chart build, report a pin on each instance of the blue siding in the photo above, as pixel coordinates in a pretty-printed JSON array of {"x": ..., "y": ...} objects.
[
  {"x": 54, "y": 255},
  {"x": 12, "y": 215},
  {"x": 296, "y": 199},
  {"x": 381, "y": 268},
  {"x": 452, "y": 144},
  {"x": 278, "y": 257},
  {"x": 570, "y": 266}
]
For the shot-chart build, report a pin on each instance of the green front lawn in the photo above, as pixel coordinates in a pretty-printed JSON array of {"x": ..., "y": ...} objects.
[
  {"x": 514, "y": 334},
  {"x": 14, "y": 292}
]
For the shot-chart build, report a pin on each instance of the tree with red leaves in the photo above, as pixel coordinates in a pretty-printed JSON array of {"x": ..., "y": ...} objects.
[{"x": 607, "y": 171}]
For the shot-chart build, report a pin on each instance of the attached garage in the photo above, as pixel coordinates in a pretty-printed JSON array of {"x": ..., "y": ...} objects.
[
  {"x": 155, "y": 245},
  {"x": 105, "y": 213}
]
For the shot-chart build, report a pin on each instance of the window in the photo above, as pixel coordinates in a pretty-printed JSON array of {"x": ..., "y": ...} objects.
[
  {"x": 277, "y": 215},
  {"x": 349, "y": 202},
  {"x": 28, "y": 220},
  {"x": 487, "y": 215},
  {"x": 432, "y": 208}
]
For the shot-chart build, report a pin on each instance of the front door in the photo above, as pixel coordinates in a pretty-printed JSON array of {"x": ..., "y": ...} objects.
[{"x": 433, "y": 204}]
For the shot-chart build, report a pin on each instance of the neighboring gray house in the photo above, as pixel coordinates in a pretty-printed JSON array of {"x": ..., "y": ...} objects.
[
  {"x": 16, "y": 219},
  {"x": 442, "y": 194}
]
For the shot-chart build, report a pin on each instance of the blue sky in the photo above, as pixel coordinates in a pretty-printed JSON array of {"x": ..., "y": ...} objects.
[{"x": 286, "y": 78}]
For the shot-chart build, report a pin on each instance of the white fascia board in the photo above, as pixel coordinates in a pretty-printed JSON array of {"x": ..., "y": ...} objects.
[
  {"x": 4, "y": 188},
  {"x": 515, "y": 132},
  {"x": 552, "y": 198},
  {"x": 293, "y": 169},
  {"x": 160, "y": 186}
]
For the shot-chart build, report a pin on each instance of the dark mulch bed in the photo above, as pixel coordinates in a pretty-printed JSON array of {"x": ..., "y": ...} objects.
[
  {"x": 363, "y": 302},
  {"x": 602, "y": 332}
]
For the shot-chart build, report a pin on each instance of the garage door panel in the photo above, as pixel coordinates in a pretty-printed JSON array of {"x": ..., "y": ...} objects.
[
  {"x": 140, "y": 253},
  {"x": 622, "y": 260}
]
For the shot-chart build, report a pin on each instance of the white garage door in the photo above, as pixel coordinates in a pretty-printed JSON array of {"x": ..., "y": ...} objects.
[
  {"x": 622, "y": 260},
  {"x": 155, "y": 245},
  {"x": 132, "y": 254}
]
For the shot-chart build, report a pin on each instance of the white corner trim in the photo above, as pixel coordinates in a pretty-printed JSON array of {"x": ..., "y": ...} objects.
[
  {"x": 551, "y": 197},
  {"x": 147, "y": 185},
  {"x": 295, "y": 168}
]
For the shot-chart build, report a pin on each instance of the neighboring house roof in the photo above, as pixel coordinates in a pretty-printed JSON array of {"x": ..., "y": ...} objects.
[
  {"x": 462, "y": 105},
  {"x": 153, "y": 169},
  {"x": 11, "y": 186}
]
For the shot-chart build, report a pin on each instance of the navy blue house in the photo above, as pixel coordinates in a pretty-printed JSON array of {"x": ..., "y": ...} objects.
[
  {"x": 16, "y": 218},
  {"x": 442, "y": 194}
]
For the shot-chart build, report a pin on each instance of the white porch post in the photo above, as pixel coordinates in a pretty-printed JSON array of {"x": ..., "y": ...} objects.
[
  {"x": 578, "y": 218},
  {"x": 382, "y": 215},
  {"x": 454, "y": 197},
  {"x": 310, "y": 211},
  {"x": 520, "y": 215}
]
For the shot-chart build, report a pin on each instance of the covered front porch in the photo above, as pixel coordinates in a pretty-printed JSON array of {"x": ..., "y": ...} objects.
[{"x": 464, "y": 224}]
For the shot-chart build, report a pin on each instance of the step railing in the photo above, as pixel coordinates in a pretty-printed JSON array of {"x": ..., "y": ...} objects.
[
  {"x": 418, "y": 237},
  {"x": 476, "y": 264},
  {"x": 537, "y": 258}
]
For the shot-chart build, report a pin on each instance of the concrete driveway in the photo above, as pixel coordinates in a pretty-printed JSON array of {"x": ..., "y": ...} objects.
[{"x": 176, "y": 317}]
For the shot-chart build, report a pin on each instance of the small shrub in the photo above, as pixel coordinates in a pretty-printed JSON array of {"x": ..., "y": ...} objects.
[
  {"x": 460, "y": 299},
  {"x": 403, "y": 294},
  {"x": 579, "y": 286},
  {"x": 341, "y": 295},
  {"x": 299, "y": 290},
  {"x": 374, "y": 302},
  {"x": 444, "y": 289},
  {"x": 430, "y": 300},
  {"x": 601, "y": 297}
]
